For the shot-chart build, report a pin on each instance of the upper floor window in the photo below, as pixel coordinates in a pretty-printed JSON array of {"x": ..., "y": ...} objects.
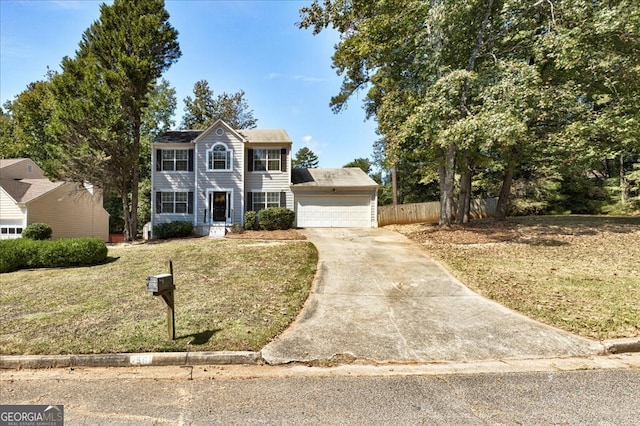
[
  {"x": 219, "y": 158},
  {"x": 170, "y": 160},
  {"x": 268, "y": 160}
]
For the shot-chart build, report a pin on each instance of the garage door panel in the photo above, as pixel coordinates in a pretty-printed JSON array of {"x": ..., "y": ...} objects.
[{"x": 333, "y": 211}]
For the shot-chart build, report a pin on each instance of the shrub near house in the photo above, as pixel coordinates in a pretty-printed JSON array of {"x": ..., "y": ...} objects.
[{"x": 25, "y": 253}]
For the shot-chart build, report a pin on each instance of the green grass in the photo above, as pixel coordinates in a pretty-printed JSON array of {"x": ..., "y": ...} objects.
[
  {"x": 230, "y": 295},
  {"x": 579, "y": 273}
]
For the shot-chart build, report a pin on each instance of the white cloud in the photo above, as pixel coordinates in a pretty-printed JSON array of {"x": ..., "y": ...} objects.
[{"x": 313, "y": 145}]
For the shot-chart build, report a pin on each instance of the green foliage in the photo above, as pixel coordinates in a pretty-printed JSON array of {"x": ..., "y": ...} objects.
[
  {"x": 305, "y": 159},
  {"x": 362, "y": 163},
  {"x": 102, "y": 93},
  {"x": 203, "y": 109},
  {"x": 23, "y": 253},
  {"x": 491, "y": 88},
  {"x": 37, "y": 231},
  {"x": 274, "y": 218},
  {"x": 28, "y": 120},
  {"x": 177, "y": 229},
  {"x": 250, "y": 220}
]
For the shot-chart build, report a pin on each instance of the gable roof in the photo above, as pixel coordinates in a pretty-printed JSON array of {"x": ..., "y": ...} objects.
[
  {"x": 26, "y": 190},
  {"x": 9, "y": 162},
  {"x": 258, "y": 136},
  {"x": 352, "y": 177}
]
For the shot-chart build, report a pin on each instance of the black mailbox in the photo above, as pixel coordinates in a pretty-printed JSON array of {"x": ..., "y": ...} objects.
[{"x": 160, "y": 283}]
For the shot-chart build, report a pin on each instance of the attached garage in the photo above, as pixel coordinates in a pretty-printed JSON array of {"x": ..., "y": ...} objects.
[{"x": 334, "y": 198}]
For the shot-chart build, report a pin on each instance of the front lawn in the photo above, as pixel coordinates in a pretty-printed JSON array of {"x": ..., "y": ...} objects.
[
  {"x": 580, "y": 273},
  {"x": 231, "y": 295}
]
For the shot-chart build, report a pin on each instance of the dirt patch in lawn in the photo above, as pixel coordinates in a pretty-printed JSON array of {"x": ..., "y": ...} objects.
[
  {"x": 580, "y": 273},
  {"x": 289, "y": 234}
]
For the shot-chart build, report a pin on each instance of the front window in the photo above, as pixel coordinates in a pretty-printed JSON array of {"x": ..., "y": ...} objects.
[
  {"x": 263, "y": 200},
  {"x": 219, "y": 158},
  {"x": 174, "y": 202},
  {"x": 266, "y": 159}
]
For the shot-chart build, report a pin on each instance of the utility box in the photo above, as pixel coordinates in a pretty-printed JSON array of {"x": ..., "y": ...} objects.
[{"x": 160, "y": 283}]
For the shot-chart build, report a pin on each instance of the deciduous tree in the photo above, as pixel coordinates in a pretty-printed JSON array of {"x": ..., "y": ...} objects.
[{"x": 203, "y": 109}]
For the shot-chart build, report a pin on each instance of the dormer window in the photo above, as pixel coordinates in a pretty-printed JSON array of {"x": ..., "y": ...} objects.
[{"x": 219, "y": 158}]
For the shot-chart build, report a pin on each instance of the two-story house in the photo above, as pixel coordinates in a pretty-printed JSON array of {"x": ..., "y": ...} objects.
[{"x": 211, "y": 177}]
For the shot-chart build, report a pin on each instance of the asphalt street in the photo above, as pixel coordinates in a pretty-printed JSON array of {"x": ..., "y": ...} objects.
[{"x": 270, "y": 395}]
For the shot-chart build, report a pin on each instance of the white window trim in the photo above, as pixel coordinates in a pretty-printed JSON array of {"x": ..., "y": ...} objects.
[
  {"x": 266, "y": 199},
  {"x": 279, "y": 169},
  {"x": 210, "y": 153},
  {"x": 230, "y": 194},
  {"x": 162, "y": 169},
  {"x": 174, "y": 192}
]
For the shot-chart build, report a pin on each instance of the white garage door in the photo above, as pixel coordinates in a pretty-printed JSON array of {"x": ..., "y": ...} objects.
[{"x": 333, "y": 211}]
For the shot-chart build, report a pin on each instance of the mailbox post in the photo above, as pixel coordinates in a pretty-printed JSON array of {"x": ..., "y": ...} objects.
[{"x": 162, "y": 285}]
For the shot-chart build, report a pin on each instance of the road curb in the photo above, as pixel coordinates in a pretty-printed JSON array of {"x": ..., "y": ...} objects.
[
  {"x": 619, "y": 346},
  {"x": 127, "y": 360}
]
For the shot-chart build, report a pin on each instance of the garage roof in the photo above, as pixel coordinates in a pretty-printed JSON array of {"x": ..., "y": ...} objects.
[{"x": 352, "y": 177}]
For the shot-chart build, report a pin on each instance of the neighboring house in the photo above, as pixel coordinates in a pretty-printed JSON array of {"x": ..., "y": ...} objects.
[
  {"x": 212, "y": 177},
  {"x": 26, "y": 196}
]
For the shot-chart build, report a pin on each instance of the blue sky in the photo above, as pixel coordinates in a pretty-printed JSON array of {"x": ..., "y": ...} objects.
[{"x": 235, "y": 45}]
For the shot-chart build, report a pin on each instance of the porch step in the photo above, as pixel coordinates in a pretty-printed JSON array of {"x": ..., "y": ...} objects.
[{"x": 217, "y": 231}]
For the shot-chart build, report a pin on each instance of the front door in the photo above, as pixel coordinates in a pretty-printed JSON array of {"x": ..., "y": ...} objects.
[{"x": 218, "y": 203}]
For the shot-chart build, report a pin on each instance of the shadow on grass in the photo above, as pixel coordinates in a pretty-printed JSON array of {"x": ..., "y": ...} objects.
[
  {"x": 108, "y": 260},
  {"x": 201, "y": 338}
]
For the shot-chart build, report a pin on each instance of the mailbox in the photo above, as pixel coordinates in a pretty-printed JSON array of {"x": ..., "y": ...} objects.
[{"x": 160, "y": 283}]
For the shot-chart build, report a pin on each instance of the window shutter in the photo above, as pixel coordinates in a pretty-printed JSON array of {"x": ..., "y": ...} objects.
[
  {"x": 283, "y": 159},
  {"x": 190, "y": 203},
  {"x": 283, "y": 199},
  {"x": 190, "y": 168},
  {"x": 158, "y": 202},
  {"x": 249, "y": 202},
  {"x": 158, "y": 160},
  {"x": 250, "y": 160}
]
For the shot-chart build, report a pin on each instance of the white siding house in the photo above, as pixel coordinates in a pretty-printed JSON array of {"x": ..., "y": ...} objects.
[{"x": 212, "y": 177}]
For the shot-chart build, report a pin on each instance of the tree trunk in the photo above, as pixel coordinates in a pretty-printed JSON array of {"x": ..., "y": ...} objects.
[
  {"x": 503, "y": 200},
  {"x": 624, "y": 185},
  {"x": 447, "y": 178},
  {"x": 464, "y": 199},
  {"x": 131, "y": 209},
  {"x": 394, "y": 183}
]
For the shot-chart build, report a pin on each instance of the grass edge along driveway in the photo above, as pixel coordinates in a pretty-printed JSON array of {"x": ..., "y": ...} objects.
[
  {"x": 578, "y": 273},
  {"x": 230, "y": 295}
]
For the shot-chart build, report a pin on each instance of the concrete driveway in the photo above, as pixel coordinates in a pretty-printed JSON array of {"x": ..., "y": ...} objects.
[{"x": 378, "y": 297}]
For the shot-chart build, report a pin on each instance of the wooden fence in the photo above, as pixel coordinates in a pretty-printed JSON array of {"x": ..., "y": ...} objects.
[{"x": 429, "y": 212}]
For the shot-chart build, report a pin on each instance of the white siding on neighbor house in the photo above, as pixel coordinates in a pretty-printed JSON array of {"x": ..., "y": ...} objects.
[
  {"x": 270, "y": 181},
  {"x": 71, "y": 212},
  {"x": 209, "y": 181},
  {"x": 9, "y": 210},
  {"x": 12, "y": 217}
]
